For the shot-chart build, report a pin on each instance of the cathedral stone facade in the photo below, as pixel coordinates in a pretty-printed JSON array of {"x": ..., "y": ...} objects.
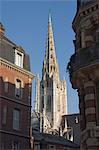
[
  {"x": 84, "y": 70},
  {"x": 51, "y": 94}
]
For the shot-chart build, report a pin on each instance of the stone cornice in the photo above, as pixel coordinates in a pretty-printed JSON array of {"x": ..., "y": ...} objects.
[
  {"x": 83, "y": 12},
  {"x": 12, "y": 133},
  {"x": 15, "y": 67},
  {"x": 94, "y": 132},
  {"x": 15, "y": 101}
]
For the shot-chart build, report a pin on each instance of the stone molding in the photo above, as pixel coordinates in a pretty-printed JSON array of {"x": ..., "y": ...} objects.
[
  {"x": 16, "y": 68},
  {"x": 89, "y": 97}
]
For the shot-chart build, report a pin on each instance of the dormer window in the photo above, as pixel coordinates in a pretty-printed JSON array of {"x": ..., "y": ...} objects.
[{"x": 19, "y": 58}]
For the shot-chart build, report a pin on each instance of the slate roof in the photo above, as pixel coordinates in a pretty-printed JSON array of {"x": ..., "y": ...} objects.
[
  {"x": 53, "y": 139},
  {"x": 7, "y": 51}
]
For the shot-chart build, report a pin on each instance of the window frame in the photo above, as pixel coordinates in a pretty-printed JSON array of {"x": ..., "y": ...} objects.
[
  {"x": 16, "y": 119},
  {"x": 4, "y": 118},
  {"x": 18, "y": 88},
  {"x": 49, "y": 103},
  {"x": 19, "y": 58},
  {"x": 13, "y": 146},
  {"x": 6, "y": 85}
]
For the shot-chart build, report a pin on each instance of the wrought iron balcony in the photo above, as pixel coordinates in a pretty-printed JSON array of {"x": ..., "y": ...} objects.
[{"x": 83, "y": 58}]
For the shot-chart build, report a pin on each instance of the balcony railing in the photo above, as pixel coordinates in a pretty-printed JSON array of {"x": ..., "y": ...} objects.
[{"x": 83, "y": 58}]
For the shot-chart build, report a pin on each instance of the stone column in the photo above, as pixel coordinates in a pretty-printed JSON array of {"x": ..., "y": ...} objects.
[
  {"x": 81, "y": 94},
  {"x": 89, "y": 99},
  {"x": 88, "y": 135},
  {"x": 83, "y": 38}
]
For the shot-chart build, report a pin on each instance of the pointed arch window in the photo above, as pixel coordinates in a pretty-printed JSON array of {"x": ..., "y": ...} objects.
[
  {"x": 58, "y": 103},
  {"x": 42, "y": 102},
  {"x": 51, "y": 56},
  {"x": 51, "y": 68},
  {"x": 48, "y": 105}
]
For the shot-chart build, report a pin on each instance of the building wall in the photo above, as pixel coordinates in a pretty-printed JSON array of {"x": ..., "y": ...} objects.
[
  {"x": 84, "y": 71},
  {"x": 70, "y": 125},
  {"x": 10, "y": 102},
  {"x": 49, "y": 146}
]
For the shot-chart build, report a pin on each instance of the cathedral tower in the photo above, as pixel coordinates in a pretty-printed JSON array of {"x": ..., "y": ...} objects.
[
  {"x": 51, "y": 92},
  {"x": 84, "y": 70}
]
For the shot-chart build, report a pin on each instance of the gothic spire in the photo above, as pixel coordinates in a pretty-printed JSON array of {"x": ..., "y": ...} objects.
[{"x": 50, "y": 65}]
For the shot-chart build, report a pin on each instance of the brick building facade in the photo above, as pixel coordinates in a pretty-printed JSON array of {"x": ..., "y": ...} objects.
[
  {"x": 84, "y": 70},
  {"x": 15, "y": 95}
]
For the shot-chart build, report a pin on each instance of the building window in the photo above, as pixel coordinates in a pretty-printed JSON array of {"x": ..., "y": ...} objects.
[
  {"x": 51, "y": 68},
  {"x": 19, "y": 58},
  {"x": 6, "y": 85},
  {"x": 36, "y": 146},
  {"x": 43, "y": 146},
  {"x": 42, "y": 101},
  {"x": 51, "y": 147},
  {"x": 4, "y": 117},
  {"x": 15, "y": 145},
  {"x": 51, "y": 56},
  {"x": 58, "y": 103},
  {"x": 2, "y": 145},
  {"x": 16, "y": 119},
  {"x": 48, "y": 106},
  {"x": 18, "y": 91}
]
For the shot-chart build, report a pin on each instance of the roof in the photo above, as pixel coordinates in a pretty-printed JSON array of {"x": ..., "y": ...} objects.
[
  {"x": 76, "y": 114},
  {"x": 7, "y": 51},
  {"x": 53, "y": 139}
]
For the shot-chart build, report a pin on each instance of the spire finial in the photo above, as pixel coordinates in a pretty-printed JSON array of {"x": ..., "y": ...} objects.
[{"x": 49, "y": 17}]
